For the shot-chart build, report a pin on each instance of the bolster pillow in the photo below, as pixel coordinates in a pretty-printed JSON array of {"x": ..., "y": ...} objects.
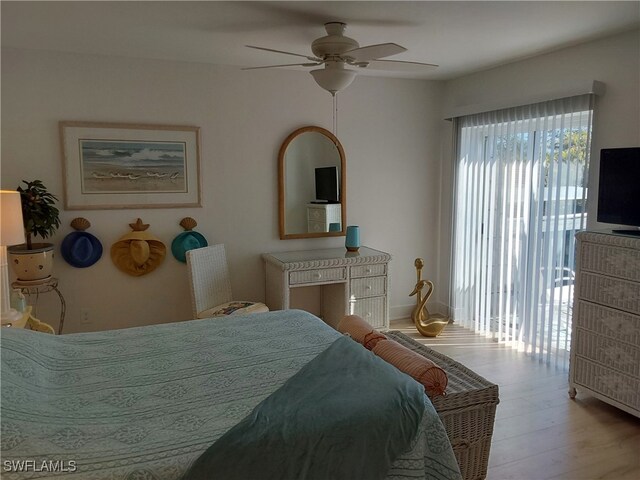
[
  {"x": 424, "y": 371},
  {"x": 360, "y": 331}
]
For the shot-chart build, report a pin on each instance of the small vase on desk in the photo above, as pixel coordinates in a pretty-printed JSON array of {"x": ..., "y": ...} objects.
[{"x": 352, "y": 241}]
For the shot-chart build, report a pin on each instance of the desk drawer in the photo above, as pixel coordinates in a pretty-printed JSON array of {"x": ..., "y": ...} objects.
[
  {"x": 320, "y": 275},
  {"x": 373, "y": 310},
  {"x": 368, "y": 286},
  {"x": 369, "y": 270}
]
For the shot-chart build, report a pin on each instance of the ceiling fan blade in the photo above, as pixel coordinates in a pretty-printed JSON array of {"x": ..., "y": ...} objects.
[
  {"x": 313, "y": 59},
  {"x": 372, "y": 52},
  {"x": 400, "y": 66},
  {"x": 285, "y": 65}
]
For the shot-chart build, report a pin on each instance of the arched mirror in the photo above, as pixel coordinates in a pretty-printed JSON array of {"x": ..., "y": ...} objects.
[{"x": 312, "y": 185}]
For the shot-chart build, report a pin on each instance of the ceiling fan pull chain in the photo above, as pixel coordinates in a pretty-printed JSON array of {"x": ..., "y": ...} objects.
[{"x": 335, "y": 115}]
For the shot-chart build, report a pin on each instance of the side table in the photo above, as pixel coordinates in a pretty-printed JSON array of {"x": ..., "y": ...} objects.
[{"x": 45, "y": 286}]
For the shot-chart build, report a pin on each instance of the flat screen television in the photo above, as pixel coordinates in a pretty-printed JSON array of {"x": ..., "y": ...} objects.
[
  {"x": 619, "y": 188},
  {"x": 327, "y": 185}
]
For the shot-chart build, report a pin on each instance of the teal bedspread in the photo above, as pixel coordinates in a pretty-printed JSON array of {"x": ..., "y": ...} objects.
[
  {"x": 144, "y": 403},
  {"x": 346, "y": 414}
]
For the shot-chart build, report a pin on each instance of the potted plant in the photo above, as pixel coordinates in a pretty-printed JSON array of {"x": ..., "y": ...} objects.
[{"x": 34, "y": 261}]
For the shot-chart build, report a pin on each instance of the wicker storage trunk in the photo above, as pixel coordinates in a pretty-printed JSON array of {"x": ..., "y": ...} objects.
[{"x": 467, "y": 411}]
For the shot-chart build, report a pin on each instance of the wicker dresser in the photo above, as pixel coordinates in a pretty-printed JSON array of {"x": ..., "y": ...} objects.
[
  {"x": 605, "y": 342},
  {"x": 321, "y": 216}
]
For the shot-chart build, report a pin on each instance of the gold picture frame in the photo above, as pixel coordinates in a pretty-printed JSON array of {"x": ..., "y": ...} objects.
[{"x": 120, "y": 165}]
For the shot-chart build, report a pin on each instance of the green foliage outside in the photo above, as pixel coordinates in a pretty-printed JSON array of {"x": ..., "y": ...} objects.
[{"x": 574, "y": 148}]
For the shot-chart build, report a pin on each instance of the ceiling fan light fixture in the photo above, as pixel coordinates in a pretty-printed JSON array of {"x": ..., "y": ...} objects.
[
  {"x": 333, "y": 79},
  {"x": 335, "y": 51}
]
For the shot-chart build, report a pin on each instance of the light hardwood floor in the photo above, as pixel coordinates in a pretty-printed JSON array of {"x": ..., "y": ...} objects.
[{"x": 539, "y": 432}]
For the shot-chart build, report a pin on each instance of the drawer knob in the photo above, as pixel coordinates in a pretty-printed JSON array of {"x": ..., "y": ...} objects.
[
  {"x": 368, "y": 270},
  {"x": 368, "y": 315},
  {"x": 368, "y": 287},
  {"x": 318, "y": 275}
]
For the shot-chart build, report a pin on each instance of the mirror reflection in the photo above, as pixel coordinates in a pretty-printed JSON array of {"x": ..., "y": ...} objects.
[{"x": 312, "y": 184}]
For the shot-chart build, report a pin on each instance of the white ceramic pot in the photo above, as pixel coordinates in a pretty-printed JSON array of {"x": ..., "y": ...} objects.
[{"x": 32, "y": 265}]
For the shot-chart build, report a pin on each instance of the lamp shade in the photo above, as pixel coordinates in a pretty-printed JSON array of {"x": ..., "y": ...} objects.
[
  {"x": 11, "y": 226},
  {"x": 333, "y": 78}
]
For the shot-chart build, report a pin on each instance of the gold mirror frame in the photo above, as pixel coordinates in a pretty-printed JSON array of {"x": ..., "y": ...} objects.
[{"x": 282, "y": 185}]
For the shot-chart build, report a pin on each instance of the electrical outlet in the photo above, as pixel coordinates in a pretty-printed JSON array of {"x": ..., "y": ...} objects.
[{"x": 84, "y": 317}]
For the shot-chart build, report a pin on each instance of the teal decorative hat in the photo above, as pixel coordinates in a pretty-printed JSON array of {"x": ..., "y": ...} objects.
[{"x": 187, "y": 240}]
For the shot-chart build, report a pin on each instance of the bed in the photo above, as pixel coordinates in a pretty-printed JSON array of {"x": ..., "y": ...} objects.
[{"x": 145, "y": 403}]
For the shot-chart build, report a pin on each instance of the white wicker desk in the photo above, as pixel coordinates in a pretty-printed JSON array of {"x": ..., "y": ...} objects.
[{"x": 351, "y": 282}]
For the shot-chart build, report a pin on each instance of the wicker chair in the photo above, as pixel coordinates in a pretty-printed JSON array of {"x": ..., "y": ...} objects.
[{"x": 211, "y": 287}]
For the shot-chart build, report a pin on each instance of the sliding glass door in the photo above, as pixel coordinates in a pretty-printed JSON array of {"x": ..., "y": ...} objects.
[{"x": 521, "y": 188}]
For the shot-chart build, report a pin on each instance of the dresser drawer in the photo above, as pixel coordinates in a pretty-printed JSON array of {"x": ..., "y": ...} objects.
[
  {"x": 609, "y": 291},
  {"x": 368, "y": 286},
  {"x": 321, "y": 275},
  {"x": 368, "y": 270},
  {"x": 609, "y": 353},
  {"x": 608, "y": 322},
  {"x": 373, "y": 310},
  {"x": 617, "y": 386},
  {"x": 316, "y": 214},
  {"x": 613, "y": 261},
  {"x": 317, "y": 227}
]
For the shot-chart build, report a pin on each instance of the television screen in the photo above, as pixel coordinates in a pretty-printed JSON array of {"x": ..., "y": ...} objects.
[
  {"x": 327, "y": 184},
  {"x": 619, "y": 187}
]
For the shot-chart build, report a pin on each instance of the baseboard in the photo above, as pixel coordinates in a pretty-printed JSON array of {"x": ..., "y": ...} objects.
[{"x": 398, "y": 312}]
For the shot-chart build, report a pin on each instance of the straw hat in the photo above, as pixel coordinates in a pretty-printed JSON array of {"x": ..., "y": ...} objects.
[{"x": 139, "y": 252}]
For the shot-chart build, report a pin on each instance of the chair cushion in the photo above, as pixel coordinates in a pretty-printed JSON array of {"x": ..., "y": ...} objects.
[{"x": 234, "y": 308}]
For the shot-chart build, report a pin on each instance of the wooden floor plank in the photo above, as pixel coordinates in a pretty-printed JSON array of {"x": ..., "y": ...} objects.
[{"x": 540, "y": 433}]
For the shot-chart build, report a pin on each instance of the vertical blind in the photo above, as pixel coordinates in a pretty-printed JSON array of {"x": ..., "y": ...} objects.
[{"x": 521, "y": 189}]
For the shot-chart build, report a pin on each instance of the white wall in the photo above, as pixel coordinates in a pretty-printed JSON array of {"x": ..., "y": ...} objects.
[
  {"x": 398, "y": 149},
  {"x": 389, "y": 129},
  {"x": 615, "y": 61}
]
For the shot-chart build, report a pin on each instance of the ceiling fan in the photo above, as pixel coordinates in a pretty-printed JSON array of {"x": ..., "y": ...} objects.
[{"x": 336, "y": 52}]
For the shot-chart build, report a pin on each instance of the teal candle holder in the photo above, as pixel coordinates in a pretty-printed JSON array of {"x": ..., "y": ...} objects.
[{"x": 352, "y": 241}]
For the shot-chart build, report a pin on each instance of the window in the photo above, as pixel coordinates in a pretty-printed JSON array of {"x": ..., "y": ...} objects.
[{"x": 521, "y": 188}]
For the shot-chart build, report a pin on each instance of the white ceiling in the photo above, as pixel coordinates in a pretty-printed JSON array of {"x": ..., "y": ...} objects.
[{"x": 461, "y": 37}]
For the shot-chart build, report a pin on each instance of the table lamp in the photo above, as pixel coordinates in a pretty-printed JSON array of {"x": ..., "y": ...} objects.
[{"x": 11, "y": 233}]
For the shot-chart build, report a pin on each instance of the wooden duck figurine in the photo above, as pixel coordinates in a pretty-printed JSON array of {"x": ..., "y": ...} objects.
[{"x": 428, "y": 325}]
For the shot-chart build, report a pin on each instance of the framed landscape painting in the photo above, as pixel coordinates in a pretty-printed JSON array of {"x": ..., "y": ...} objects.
[{"x": 112, "y": 165}]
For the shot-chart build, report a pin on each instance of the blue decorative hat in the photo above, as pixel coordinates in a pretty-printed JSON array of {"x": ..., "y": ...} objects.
[
  {"x": 187, "y": 240},
  {"x": 81, "y": 249}
]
